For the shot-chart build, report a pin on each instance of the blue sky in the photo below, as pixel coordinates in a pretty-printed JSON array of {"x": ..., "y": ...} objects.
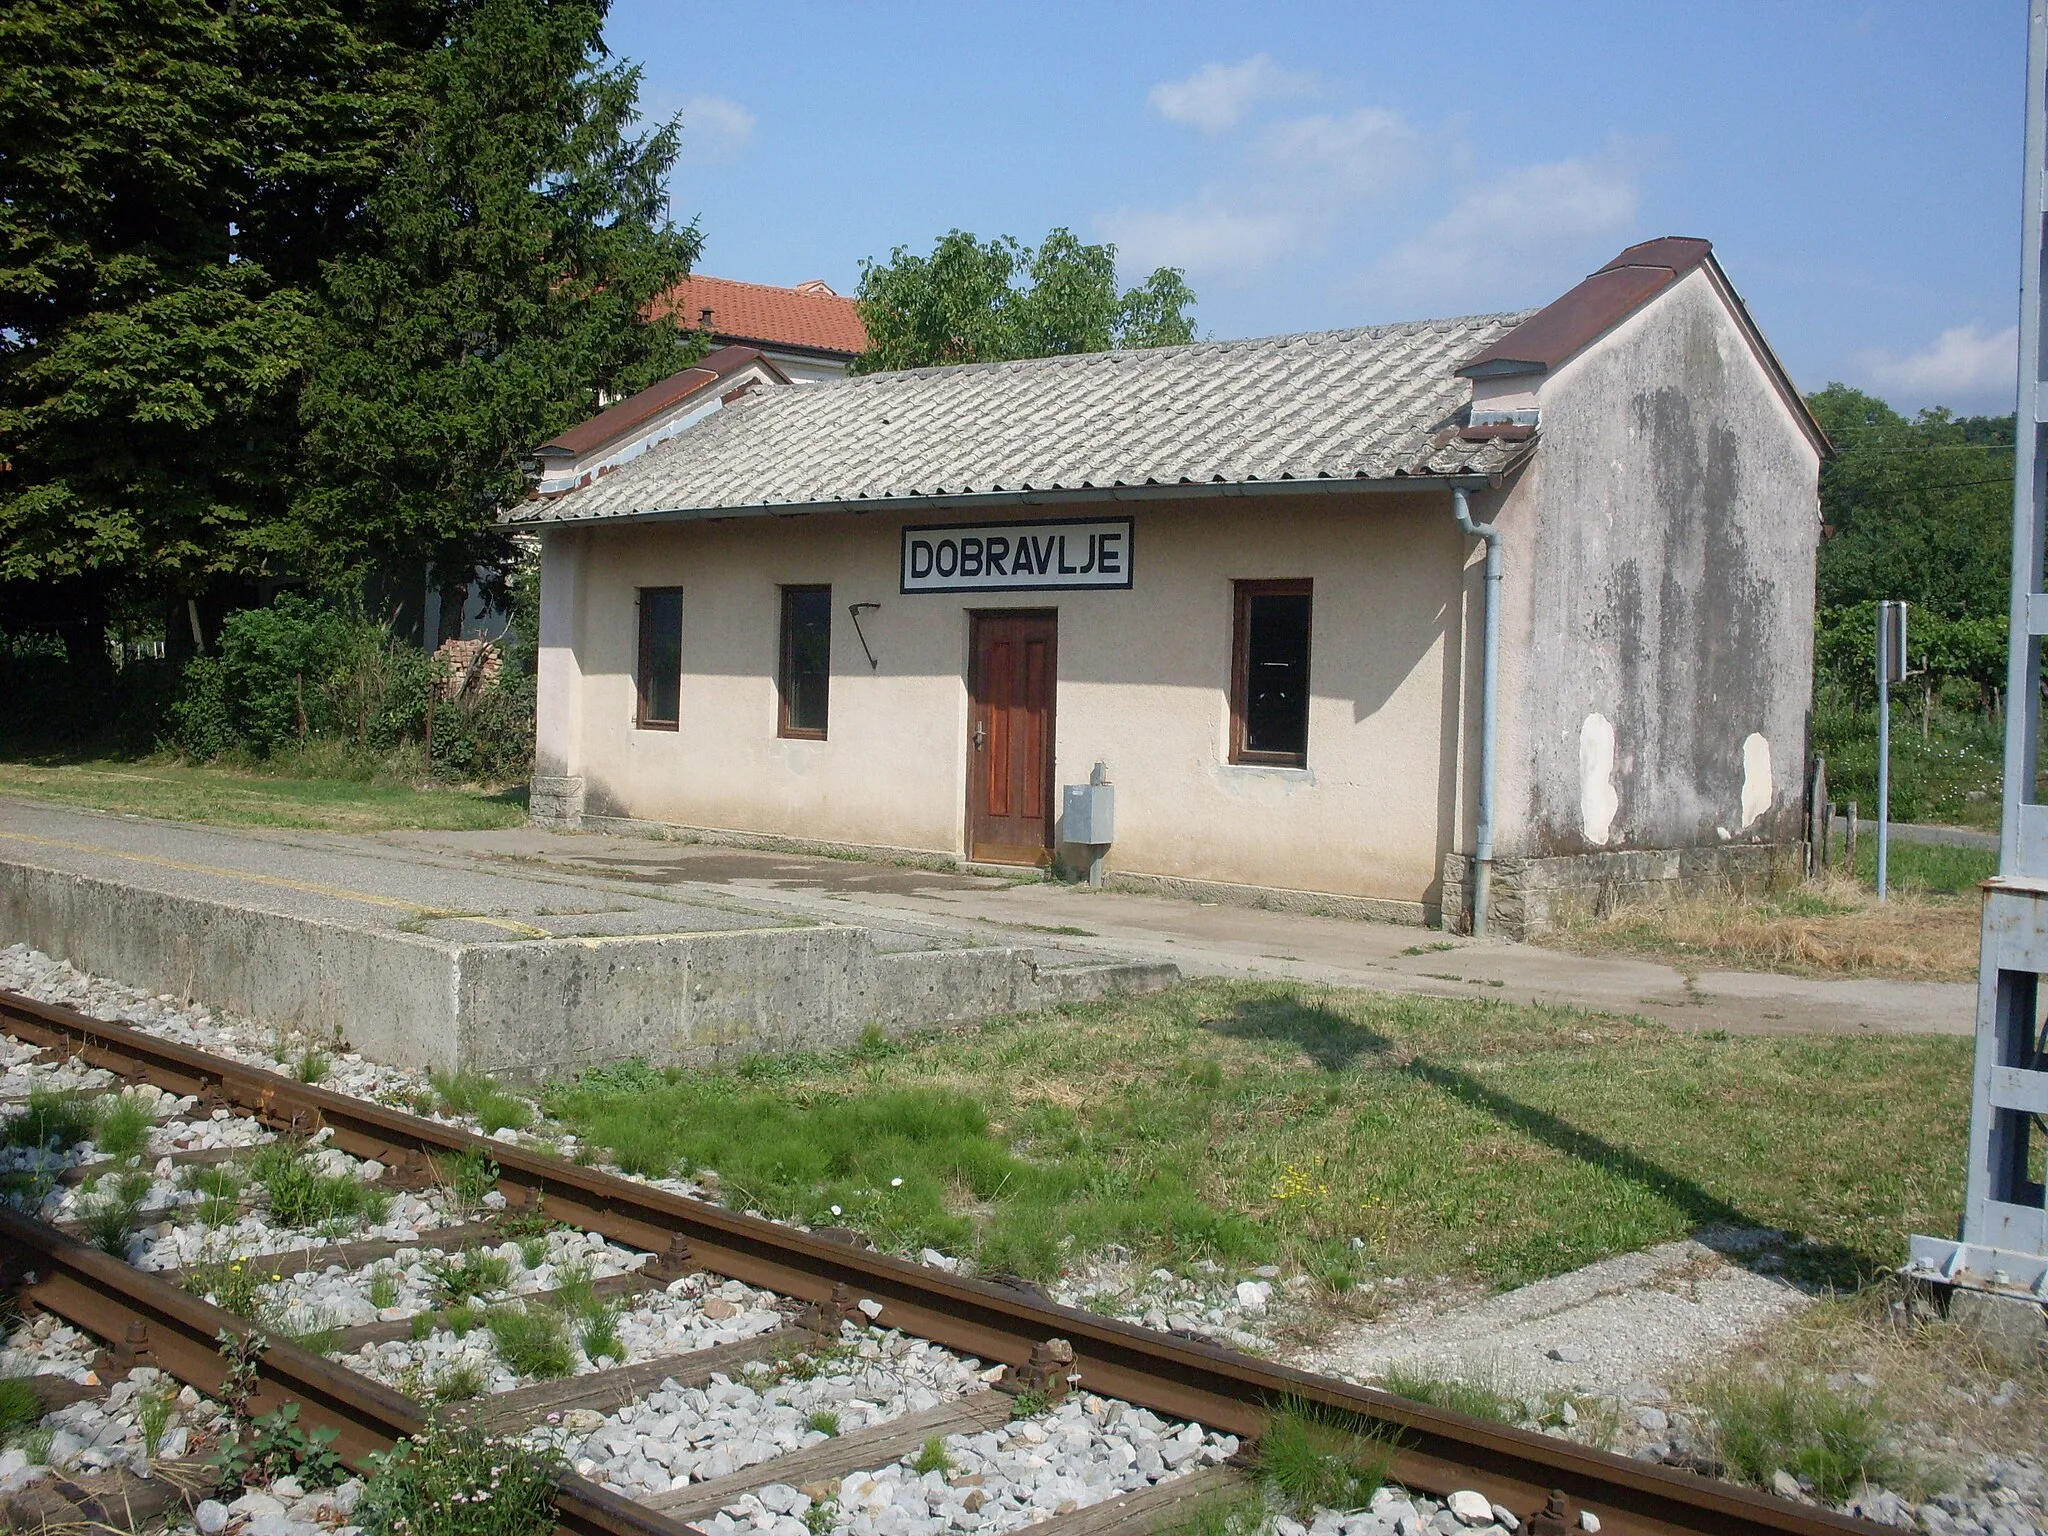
[{"x": 1315, "y": 165}]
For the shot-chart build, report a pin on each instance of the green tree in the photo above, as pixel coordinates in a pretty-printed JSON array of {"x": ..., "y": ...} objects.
[
  {"x": 171, "y": 175},
  {"x": 970, "y": 302},
  {"x": 1919, "y": 509},
  {"x": 502, "y": 283}
]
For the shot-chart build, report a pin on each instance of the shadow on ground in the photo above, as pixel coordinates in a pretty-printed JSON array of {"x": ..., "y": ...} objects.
[{"x": 1338, "y": 1044}]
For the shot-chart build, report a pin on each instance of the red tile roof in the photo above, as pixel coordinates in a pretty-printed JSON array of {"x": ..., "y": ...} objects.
[{"x": 809, "y": 315}]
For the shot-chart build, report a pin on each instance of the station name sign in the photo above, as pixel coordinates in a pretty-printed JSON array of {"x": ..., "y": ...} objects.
[{"x": 1018, "y": 557}]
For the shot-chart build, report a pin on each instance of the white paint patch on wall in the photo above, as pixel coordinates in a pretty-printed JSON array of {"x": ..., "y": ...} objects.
[
  {"x": 1598, "y": 800},
  {"x": 1756, "y": 778}
]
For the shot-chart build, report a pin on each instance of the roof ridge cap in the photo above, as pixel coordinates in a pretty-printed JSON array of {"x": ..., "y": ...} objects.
[{"x": 1213, "y": 343}]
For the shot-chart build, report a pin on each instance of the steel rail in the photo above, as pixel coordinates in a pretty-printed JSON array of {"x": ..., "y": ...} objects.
[
  {"x": 1439, "y": 1451},
  {"x": 149, "y": 1321}
]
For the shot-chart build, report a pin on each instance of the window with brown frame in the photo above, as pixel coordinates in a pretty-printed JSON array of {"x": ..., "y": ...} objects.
[
  {"x": 805, "y": 676},
  {"x": 660, "y": 673},
  {"x": 1269, "y": 674}
]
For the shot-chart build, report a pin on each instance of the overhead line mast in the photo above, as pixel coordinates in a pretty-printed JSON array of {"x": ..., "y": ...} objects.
[{"x": 1999, "y": 1265}]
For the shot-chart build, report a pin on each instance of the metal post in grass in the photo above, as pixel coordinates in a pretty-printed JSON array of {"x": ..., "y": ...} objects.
[{"x": 1891, "y": 668}]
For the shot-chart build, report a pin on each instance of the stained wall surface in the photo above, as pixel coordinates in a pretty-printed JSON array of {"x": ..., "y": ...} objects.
[{"x": 1658, "y": 632}]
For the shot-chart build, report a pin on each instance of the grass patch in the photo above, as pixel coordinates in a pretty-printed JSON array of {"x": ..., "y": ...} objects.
[
  {"x": 1942, "y": 1393},
  {"x": 1275, "y": 1123},
  {"x": 1220, "y": 1514},
  {"x": 466, "y": 1276},
  {"x": 383, "y": 1288},
  {"x": 243, "y": 797},
  {"x": 234, "y": 1285},
  {"x": 598, "y": 1332},
  {"x": 532, "y": 1342},
  {"x": 458, "y": 1383},
  {"x": 1474, "y": 1399},
  {"x": 20, "y": 1408},
  {"x": 1833, "y": 926},
  {"x": 122, "y": 1126},
  {"x": 219, "y": 1187},
  {"x": 56, "y": 1119},
  {"x": 112, "y": 1211},
  {"x": 311, "y": 1065},
  {"x": 1796, "y": 1423},
  {"x": 1310, "y": 1459},
  {"x": 823, "y": 1421},
  {"x": 473, "y": 1093},
  {"x": 470, "y": 1176},
  {"x": 300, "y": 1197},
  {"x": 931, "y": 1457}
]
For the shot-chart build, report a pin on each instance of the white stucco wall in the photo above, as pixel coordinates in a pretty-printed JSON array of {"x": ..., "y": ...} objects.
[
  {"x": 1658, "y": 630},
  {"x": 1142, "y": 686}
]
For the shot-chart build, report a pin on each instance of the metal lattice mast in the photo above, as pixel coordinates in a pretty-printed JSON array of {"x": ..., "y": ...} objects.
[{"x": 2003, "y": 1248}]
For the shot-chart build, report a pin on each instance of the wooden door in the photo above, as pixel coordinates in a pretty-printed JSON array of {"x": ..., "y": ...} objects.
[{"x": 1009, "y": 765}]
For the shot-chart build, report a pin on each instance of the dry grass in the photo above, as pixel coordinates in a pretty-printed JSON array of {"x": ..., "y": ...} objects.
[
  {"x": 1833, "y": 926},
  {"x": 1944, "y": 1400}
]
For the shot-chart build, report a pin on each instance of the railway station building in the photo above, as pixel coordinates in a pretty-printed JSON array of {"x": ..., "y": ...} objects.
[{"x": 1244, "y": 582}]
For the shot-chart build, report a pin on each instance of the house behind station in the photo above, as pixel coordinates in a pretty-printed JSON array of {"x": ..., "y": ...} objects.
[{"x": 899, "y": 612}]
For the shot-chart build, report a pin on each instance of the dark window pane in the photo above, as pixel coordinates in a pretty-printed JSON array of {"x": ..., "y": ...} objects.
[
  {"x": 806, "y": 657},
  {"x": 661, "y": 657},
  {"x": 1276, "y": 674}
]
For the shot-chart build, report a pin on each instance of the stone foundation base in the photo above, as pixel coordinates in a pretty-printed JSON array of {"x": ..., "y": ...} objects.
[
  {"x": 555, "y": 802},
  {"x": 1535, "y": 896}
]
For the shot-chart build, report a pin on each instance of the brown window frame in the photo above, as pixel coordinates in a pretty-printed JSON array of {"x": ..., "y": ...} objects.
[
  {"x": 785, "y": 648},
  {"x": 1242, "y": 593},
  {"x": 643, "y": 667}
]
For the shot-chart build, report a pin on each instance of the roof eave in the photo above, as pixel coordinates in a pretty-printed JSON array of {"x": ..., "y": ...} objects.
[{"x": 1052, "y": 497}]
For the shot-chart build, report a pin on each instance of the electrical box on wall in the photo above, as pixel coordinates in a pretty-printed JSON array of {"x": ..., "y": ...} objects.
[{"x": 1090, "y": 814}]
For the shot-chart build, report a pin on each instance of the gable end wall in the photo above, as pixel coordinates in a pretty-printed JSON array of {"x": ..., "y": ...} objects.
[{"x": 1660, "y": 565}]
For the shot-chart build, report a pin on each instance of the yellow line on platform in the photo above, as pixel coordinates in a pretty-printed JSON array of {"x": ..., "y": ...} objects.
[{"x": 310, "y": 887}]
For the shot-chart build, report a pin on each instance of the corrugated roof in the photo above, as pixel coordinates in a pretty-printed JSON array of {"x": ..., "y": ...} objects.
[
  {"x": 812, "y": 317},
  {"x": 1373, "y": 403}
]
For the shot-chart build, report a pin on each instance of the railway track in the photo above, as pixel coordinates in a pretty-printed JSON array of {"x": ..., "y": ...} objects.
[{"x": 1044, "y": 1349}]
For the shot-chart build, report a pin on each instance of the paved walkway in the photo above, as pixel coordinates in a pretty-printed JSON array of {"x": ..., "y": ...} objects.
[
  {"x": 479, "y": 884},
  {"x": 1216, "y": 940}
]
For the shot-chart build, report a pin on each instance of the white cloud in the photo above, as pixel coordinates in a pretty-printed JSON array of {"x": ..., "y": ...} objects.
[
  {"x": 1217, "y": 96},
  {"x": 1205, "y": 238},
  {"x": 1962, "y": 360},
  {"x": 715, "y": 130},
  {"x": 1509, "y": 235},
  {"x": 1362, "y": 154}
]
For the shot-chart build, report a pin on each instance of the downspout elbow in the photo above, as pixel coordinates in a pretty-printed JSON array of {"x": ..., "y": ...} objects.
[{"x": 1489, "y": 713}]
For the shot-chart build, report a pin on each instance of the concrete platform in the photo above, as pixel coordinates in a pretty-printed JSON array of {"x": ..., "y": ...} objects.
[
  {"x": 1208, "y": 939},
  {"x": 423, "y": 957}
]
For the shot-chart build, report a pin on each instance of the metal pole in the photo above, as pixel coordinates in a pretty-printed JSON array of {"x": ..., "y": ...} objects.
[
  {"x": 1884, "y": 762},
  {"x": 1999, "y": 1267},
  {"x": 1489, "y": 715}
]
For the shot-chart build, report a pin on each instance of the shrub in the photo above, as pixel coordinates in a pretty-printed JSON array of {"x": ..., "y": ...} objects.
[
  {"x": 457, "y": 1481},
  {"x": 466, "y": 1276},
  {"x": 300, "y": 1197}
]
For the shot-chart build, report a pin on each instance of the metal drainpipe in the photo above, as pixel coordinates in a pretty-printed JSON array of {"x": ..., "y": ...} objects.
[{"x": 1489, "y": 712}]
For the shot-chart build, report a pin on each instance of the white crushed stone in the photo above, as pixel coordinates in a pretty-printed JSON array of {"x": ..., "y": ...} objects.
[{"x": 679, "y": 1435}]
